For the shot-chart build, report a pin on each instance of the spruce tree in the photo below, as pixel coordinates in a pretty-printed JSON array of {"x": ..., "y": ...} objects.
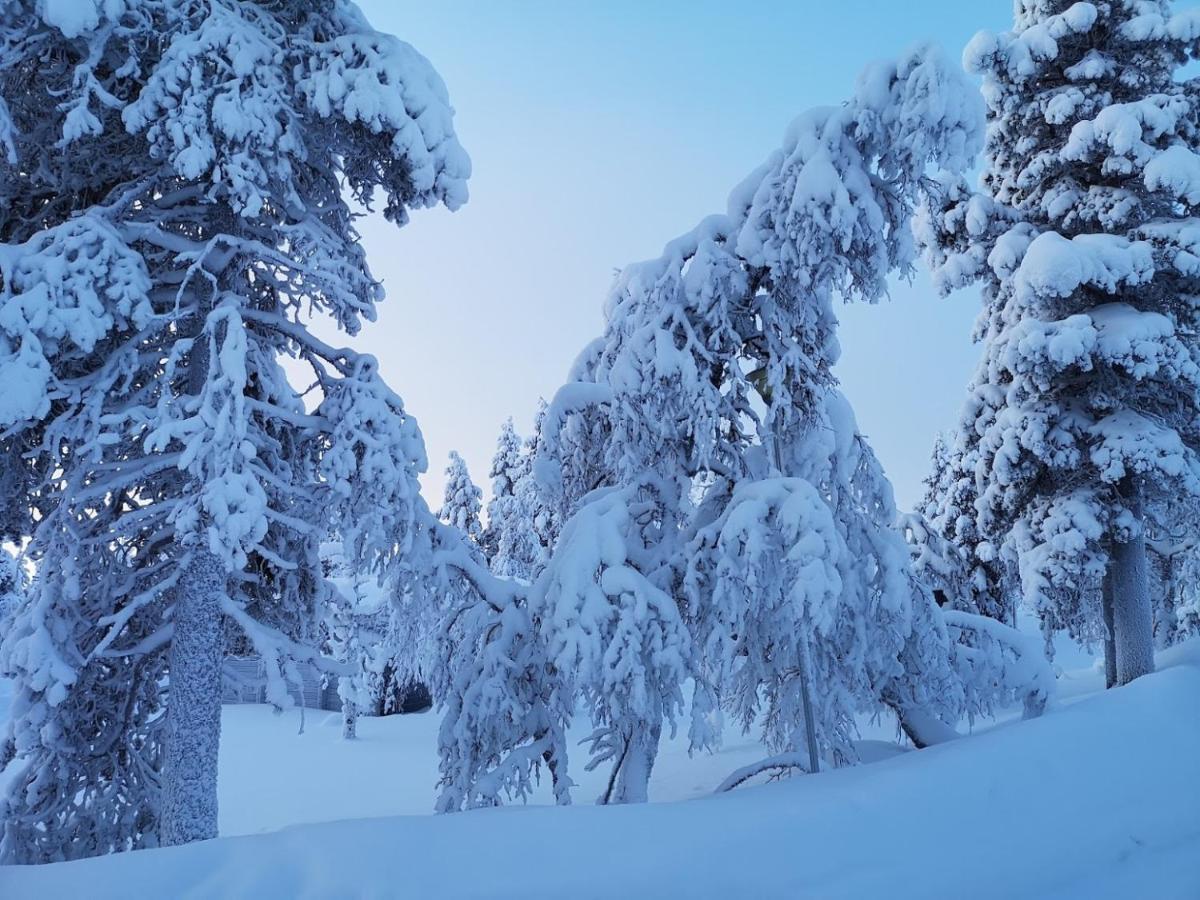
[
  {"x": 462, "y": 500},
  {"x": 505, "y": 472},
  {"x": 1082, "y": 417}
]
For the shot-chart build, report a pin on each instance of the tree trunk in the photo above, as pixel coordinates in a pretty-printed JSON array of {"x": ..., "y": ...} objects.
[
  {"x": 349, "y": 717},
  {"x": 1110, "y": 645},
  {"x": 193, "y": 722},
  {"x": 810, "y": 730},
  {"x": 1133, "y": 620},
  {"x": 633, "y": 779}
]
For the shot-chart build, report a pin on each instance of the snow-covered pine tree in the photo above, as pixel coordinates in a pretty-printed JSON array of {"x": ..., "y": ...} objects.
[
  {"x": 1174, "y": 568},
  {"x": 517, "y": 517},
  {"x": 462, "y": 500},
  {"x": 507, "y": 466},
  {"x": 542, "y": 509},
  {"x": 1083, "y": 413},
  {"x": 944, "y": 540},
  {"x": 173, "y": 213}
]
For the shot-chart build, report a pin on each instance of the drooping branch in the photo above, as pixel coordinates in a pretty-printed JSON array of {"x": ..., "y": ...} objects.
[{"x": 779, "y": 765}]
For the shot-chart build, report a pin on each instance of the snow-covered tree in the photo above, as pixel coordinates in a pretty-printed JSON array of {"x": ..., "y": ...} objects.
[
  {"x": 1183, "y": 619},
  {"x": 505, "y": 710},
  {"x": 12, "y": 592},
  {"x": 1175, "y": 570},
  {"x": 12, "y": 587},
  {"x": 176, "y": 206},
  {"x": 615, "y": 633},
  {"x": 356, "y": 626},
  {"x": 513, "y": 538},
  {"x": 462, "y": 502},
  {"x": 1082, "y": 417},
  {"x": 506, "y": 470},
  {"x": 541, "y": 509},
  {"x": 944, "y": 541},
  {"x": 716, "y": 493}
]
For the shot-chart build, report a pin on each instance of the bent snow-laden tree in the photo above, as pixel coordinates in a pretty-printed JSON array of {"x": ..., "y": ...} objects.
[
  {"x": 725, "y": 521},
  {"x": 176, "y": 190},
  {"x": 1082, "y": 418}
]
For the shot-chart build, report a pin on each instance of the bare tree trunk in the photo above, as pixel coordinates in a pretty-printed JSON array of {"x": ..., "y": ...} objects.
[
  {"x": 1133, "y": 619},
  {"x": 193, "y": 722},
  {"x": 349, "y": 718},
  {"x": 1110, "y": 645},
  {"x": 810, "y": 731}
]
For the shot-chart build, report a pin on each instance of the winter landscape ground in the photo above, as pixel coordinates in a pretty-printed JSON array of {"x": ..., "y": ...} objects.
[
  {"x": 1020, "y": 809},
  {"x": 687, "y": 643}
]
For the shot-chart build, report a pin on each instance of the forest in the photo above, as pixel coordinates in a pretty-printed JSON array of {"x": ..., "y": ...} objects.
[{"x": 687, "y": 597}]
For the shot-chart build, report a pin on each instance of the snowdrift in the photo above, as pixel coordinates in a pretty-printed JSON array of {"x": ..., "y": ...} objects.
[{"x": 1097, "y": 799}]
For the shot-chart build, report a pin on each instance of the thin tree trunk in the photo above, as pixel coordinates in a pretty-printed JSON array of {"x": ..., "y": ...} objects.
[
  {"x": 810, "y": 731},
  {"x": 1110, "y": 645},
  {"x": 1133, "y": 619},
  {"x": 349, "y": 717},
  {"x": 193, "y": 723}
]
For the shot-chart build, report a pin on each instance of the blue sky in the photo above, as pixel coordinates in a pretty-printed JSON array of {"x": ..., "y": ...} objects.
[{"x": 598, "y": 132}]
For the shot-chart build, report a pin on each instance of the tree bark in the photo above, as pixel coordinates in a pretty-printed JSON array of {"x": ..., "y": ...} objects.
[
  {"x": 1133, "y": 619},
  {"x": 1110, "y": 645},
  {"x": 193, "y": 722}
]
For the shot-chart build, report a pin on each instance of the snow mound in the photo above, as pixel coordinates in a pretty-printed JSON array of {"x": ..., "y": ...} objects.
[{"x": 1098, "y": 799}]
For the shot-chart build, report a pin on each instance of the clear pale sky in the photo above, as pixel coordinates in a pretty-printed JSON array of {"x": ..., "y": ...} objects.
[{"x": 598, "y": 132}]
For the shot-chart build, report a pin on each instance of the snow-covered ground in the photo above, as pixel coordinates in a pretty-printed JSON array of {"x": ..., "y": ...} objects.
[
  {"x": 279, "y": 769},
  {"x": 1099, "y": 798}
]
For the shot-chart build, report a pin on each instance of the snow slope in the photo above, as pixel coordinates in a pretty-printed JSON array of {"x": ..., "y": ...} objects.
[{"x": 1098, "y": 799}]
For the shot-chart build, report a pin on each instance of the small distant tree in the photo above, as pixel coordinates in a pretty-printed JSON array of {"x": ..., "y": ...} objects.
[
  {"x": 508, "y": 465},
  {"x": 462, "y": 503}
]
